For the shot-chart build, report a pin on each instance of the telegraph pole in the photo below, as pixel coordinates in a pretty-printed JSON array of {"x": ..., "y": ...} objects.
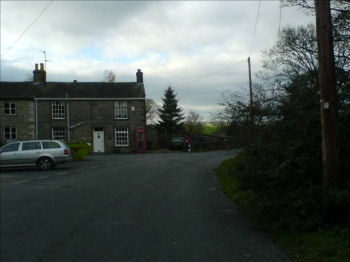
[
  {"x": 328, "y": 102},
  {"x": 251, "y": 122},
  {"x": 250, "y": 90}
]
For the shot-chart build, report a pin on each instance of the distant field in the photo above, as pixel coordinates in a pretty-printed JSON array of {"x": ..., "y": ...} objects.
[{"x": 209, "y": 129}]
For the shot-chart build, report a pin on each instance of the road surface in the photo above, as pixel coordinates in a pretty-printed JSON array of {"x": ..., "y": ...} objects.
[{"x": 115, "y": 208}]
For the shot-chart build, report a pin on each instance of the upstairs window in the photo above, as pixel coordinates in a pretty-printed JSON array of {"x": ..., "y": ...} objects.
[
  {"x": 59, "y": 133},
  {"x": 9, "y": 108},
  {"x": 58, "y": 109},
  {"x": 121, "y": 109},
  {"x": 10, "y": 133}
]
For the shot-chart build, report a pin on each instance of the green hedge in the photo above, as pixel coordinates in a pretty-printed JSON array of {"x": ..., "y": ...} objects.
[
  {"x": 293, "y": 214},
  {"x": 79, "y": 150}
]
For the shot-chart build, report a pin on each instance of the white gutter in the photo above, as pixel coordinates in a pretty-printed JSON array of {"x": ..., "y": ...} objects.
[{"x": 88, "y": 99}]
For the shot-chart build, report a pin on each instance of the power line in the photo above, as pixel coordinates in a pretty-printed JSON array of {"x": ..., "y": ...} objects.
[
  {"x": 210, "y": 75},
  {"x": 256, "y": 25},
  {"x": 28, "y": 27},
  {"x": 203, "y": 77},
  {"x": 280, "y": 18}
]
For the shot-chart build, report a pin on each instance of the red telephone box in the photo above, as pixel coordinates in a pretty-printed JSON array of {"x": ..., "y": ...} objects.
[{"x": 140, "y": 140}]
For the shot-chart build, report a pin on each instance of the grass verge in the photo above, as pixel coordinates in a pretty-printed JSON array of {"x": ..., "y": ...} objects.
[{"x": 321, "y": 245}]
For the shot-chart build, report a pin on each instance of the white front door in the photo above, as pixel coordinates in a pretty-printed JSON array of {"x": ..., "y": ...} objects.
[{"x": 99, "y": 140}]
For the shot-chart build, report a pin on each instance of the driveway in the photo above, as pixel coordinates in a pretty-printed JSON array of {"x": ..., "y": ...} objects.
[{"x": 149, "y": 207}]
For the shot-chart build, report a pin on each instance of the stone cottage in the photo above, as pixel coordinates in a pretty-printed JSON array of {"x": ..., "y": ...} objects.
[{"x": 109, "y": 116}]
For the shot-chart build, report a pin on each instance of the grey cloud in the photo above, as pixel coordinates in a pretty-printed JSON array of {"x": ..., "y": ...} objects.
[{"x": 173, "y": 42}]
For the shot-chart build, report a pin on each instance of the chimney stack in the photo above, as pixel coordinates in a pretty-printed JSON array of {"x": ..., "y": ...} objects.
[
  {"x": 139, "y": 76},
  {"x": 39, "y": 76}
]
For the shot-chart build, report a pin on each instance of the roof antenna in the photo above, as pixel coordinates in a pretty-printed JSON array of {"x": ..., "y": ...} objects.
[{"x": 45, "y": 60}]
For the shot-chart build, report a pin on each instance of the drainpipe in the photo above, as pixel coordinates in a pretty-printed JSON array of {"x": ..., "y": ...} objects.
[
  {"x": 36, "y": 118},
  {"x": 68, "y": 128}
]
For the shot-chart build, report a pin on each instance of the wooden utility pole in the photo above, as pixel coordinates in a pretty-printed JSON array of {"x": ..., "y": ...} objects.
[
  {"x": 328, "y": 92},
  {"x": 250, "y": 91},
  {"x": 251, "y": 131}
]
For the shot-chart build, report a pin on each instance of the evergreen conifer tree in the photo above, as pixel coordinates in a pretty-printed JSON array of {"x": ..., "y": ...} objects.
[{"x": 171, "y": 116}]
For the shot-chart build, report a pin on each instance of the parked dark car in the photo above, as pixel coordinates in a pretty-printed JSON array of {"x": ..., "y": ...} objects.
[{"x": 177, "y": 143}]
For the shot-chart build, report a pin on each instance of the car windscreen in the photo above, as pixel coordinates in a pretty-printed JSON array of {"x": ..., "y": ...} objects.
[
  {"x": 10, "y": 147},
  {"x": 178, "y": 139}
]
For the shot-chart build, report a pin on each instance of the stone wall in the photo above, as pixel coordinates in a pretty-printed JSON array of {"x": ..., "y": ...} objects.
[
  {"x": 23, "y": 120},
  {"x": 84, "y": 116}
]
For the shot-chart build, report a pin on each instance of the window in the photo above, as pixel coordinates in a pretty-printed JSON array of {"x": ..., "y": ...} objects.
[
  {"x": 121, "y": 136},
  {"x": 10, "y": 133},
  {"x": 31, "y": 146},
  {"x": 59, "y": 133},
  {"x": 49, "y": 144},
  {"x": 58, "y": 109},
  {"x": 121, "y": 109},
  {"x": 9, "y": 108},
  {"x": 10, "y": 148}
]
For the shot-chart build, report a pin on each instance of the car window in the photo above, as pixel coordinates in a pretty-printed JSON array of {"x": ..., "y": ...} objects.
[
  {"x": 50, "y": 144},
  {"x": 178, "y": 139},
  {"x": 31, "y": 146},
  {"x": 10, "y": 148}
]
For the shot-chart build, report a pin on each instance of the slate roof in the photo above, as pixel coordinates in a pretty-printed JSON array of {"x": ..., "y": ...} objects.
[{"x": 28, "y": 90}]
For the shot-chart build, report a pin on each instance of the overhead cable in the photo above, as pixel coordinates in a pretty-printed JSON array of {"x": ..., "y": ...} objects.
[
  {"x": 28, "y": 27},
  {"x": 255, "y": 27}
]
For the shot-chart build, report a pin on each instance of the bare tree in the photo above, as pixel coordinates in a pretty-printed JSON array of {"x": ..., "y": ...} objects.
[
  {"x": 151, "y": 111},
  {"x": 109, "y": 76},
  {"x": 193, "y": 123},
  {"x": 29, "y": 77}
]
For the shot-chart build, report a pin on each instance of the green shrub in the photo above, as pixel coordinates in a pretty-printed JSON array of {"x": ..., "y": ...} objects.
[
  {"x": 272, "y": 201},
  {"x": 80, "y": 150}
]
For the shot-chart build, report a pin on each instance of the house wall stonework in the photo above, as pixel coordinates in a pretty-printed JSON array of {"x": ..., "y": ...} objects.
[
  {"x": 23, "y": 120},
  {"x": 84, "y": 116}
]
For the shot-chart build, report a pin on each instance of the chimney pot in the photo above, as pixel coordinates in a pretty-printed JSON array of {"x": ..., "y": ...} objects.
[
  {"x": 39, "y": 76},
  {"x": 139, "y": 76}
]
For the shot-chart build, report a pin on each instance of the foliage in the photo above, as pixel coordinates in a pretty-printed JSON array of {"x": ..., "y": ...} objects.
[
  {"x": 151, "y": 111},
  {"x": 109, "y": 76},
  {"x": 323, "y": 245},
  {"x": 277, "y": 178},
  {"x": 295, "y": 52},
  {"x": 170, "y": 114},
  {"x": 193, "y": 124},
  {"x": 79, "y": 150}
]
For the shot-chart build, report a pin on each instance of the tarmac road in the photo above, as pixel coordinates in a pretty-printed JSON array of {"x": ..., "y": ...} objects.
[{"x": 115, "y": 208}]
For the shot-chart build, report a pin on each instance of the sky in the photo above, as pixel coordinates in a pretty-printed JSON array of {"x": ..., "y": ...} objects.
[{"x": 200, "y": 48}]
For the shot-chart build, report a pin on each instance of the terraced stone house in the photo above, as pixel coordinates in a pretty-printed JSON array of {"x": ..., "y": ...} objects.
[{"x": 109, "y": 116}]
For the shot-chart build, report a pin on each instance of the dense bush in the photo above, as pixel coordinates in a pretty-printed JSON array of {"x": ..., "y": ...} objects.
[
  {"x": 80, "y": 150},
  {"x": 280, "y": 200}
]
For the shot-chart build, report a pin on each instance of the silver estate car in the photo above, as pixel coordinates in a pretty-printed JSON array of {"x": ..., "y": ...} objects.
[{"x": 43, "y": 153}]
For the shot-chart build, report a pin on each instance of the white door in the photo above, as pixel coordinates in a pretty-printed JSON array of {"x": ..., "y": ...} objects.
[{"x": 99, "y": 140}]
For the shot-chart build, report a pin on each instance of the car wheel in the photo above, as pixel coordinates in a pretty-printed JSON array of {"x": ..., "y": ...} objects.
[{"x": 45, "y": 163}]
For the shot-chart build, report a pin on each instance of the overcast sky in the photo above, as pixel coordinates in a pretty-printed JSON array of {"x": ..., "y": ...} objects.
[{"x": 200, "y": 48}]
